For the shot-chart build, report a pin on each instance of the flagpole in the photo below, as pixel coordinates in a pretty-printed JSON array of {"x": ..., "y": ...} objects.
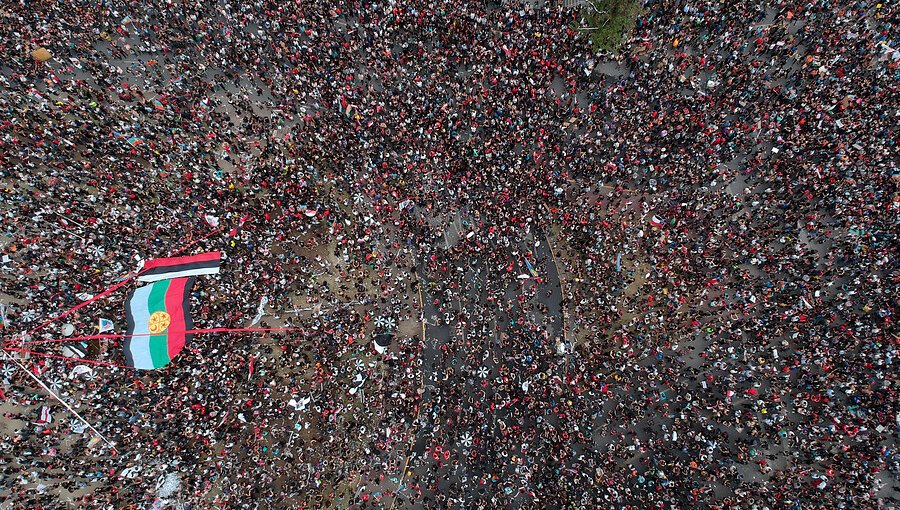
[{"x": 57, "y": 397}]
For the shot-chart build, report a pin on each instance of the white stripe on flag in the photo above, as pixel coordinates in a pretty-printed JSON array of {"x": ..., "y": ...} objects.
[{"x": 140, "y": 313}]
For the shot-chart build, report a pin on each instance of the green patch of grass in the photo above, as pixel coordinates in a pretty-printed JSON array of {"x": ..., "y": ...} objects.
[{"x": 606, "y": 22}]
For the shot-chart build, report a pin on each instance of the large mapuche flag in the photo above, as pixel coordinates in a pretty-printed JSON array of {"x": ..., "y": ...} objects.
[
  {"x": 179, "y": 267},
  {"x": 158, "y": 317}
]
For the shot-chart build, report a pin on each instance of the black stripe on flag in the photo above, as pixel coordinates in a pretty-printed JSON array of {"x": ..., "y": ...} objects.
[
  {"x": 182, "y": 267},
  {"x": 186, "y": 306}
]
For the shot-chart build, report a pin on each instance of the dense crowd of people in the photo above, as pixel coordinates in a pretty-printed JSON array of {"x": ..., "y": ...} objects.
[{"x": 660, "y": 278}]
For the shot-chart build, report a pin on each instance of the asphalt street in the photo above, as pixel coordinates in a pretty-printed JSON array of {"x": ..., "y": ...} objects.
[{"x": 459, "y": 324}]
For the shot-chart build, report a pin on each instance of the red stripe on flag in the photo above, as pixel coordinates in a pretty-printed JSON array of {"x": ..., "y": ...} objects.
[
  {"x": 175, "y": 307},
  {"x": 176, "y": 261}
]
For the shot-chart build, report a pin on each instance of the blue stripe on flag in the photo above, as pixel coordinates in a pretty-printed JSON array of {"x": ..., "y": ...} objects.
[{"x": 139, "y": 346}]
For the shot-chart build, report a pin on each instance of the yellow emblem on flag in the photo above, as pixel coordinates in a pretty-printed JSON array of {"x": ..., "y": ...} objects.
[{"x": 158, "y": 323}]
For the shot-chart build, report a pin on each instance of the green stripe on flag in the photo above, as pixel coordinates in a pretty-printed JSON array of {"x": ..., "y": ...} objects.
[{"x": 159, "y": 344}]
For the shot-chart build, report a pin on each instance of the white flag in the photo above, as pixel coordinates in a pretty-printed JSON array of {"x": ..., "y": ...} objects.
[
  {"x": 45, "y": 415},
  {"x": 105, "y": 325},
  {"x": 260, "y": 310}
]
